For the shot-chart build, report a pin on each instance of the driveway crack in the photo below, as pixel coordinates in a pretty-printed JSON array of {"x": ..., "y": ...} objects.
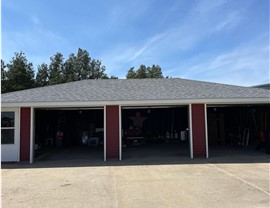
[
  {"x": 240, "y": 179},
  {"x": 114, "y": 187}
]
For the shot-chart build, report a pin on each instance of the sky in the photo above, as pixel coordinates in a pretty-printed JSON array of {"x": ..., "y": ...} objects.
[{"x": 223, "y": 41}]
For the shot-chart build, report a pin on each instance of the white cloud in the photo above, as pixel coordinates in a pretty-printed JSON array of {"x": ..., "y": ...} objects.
[
  {"x": 35, "y": 20},
  {"x": 231, "y": 20},
  {"x": 129, "y": 54},
  {"x": 181, "y": 37},
  {"x": 151, "y": 49},
  {"x": 205, "y": 6},
  {"x": 171, "y": 46},
  {"x": 245, "y": 65},
  {"x": 35, "y": 43},
  {"x": 138, "y": 53},
  {"x": 125, "y": 13},
  {"x": 146, "y": 45}
]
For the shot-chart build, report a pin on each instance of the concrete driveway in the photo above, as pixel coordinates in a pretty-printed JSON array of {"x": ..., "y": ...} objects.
[{"x": 226, "y": 182}]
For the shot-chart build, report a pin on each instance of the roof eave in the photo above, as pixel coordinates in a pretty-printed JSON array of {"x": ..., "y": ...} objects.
[{"x": 140, "y": 102}]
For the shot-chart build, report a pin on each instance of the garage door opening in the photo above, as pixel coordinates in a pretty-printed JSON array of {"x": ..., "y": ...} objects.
[
  {"x": 237, "y": 130},
  {"x": 155, "y": 131},
  {"x": 67, "y": 134}
]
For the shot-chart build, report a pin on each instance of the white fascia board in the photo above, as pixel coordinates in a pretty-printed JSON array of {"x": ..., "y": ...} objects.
[
  {"x": 141, "y": 102},
  {"x": 56, "y": 104}
]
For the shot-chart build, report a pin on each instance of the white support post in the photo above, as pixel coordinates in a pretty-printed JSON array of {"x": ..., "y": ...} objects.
[
  {"x": 104, "y": 127},
  {"x": 206, "y": 131},
  {"x": 32, "y": 135},
  {"x": 120, "y": 132},
  {"x": 18, "y": 129},
  {"x": 190, "y": 132}
]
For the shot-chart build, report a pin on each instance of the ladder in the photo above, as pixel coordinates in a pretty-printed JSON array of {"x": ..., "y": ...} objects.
[{"x": 245, "y": 139}]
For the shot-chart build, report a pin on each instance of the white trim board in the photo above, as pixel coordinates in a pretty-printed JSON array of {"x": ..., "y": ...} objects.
[
  {"x": 32, "y": 130},
  {"x": 11, "y": 152},
  {"x": 120, "y": 132},
  {"x": 190, "y": 131},
  {"x": 141, "y": 102},
  {"x": 206, "y": 131},
  {"x": 105, "y": 139}
]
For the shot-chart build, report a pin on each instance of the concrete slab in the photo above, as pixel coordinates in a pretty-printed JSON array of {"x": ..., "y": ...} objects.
[{"x": 156, "y": 183}]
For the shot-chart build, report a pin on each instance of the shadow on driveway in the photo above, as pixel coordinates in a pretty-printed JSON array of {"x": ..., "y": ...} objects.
[
  {"x": 85, "y": 157},
  {"x": 263, "y": 158}
]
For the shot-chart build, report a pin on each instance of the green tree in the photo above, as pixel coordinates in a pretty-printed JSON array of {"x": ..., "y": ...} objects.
[
  {"x": 154, "y": 72},
  {"x": 97, "y": 70},
  {"x": 20, "y": 73},
  {"x": 145, "y": 72},
  {"x": 83, "y": 64},
  {"x": 81, "y": 67},
  {"x": 131, "y": 74},
  {"x": 3, "y": 77},
  {"x": 42, "y": 77},
  {"x": 71, "y": 71},
  {"x": 113, "y": 77},
  {"x": 142, "y": 72},
  {"x": 56, "y": 69}
]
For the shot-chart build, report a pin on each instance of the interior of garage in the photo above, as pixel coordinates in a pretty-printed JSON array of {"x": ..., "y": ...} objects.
[
  {"x": 69, "y": 133},
  {"x": 237, "y": 129},
  {"x": 155, "y": 131}
]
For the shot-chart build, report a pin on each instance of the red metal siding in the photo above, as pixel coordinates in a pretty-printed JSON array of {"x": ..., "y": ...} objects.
[
  {"x": 25, "y": 134},
  {"x": 112, "y": 131},
  {"x": 198, "y": 130}
]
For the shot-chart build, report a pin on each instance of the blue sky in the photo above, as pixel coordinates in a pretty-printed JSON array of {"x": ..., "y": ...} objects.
[{"x": 225, "y": 41}]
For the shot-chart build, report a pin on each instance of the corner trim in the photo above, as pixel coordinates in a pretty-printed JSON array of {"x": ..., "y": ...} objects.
[
  {"x": 31, "y": 135},
  {"x": 206, "y": 131},
  {"x": 120, "y": 132},
  {"x": 190, "y": 131},
  {"x": 104, "y": 140}
]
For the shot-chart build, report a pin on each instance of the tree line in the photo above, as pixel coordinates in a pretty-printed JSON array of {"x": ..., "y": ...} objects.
[{"x": 19, "y": 73}]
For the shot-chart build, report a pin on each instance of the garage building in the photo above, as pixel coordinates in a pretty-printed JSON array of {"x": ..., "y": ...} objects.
[{"x": 112, "y": 119}]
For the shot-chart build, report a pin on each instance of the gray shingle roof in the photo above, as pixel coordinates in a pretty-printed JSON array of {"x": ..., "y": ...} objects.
[{"x": 132, "y": 90}]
